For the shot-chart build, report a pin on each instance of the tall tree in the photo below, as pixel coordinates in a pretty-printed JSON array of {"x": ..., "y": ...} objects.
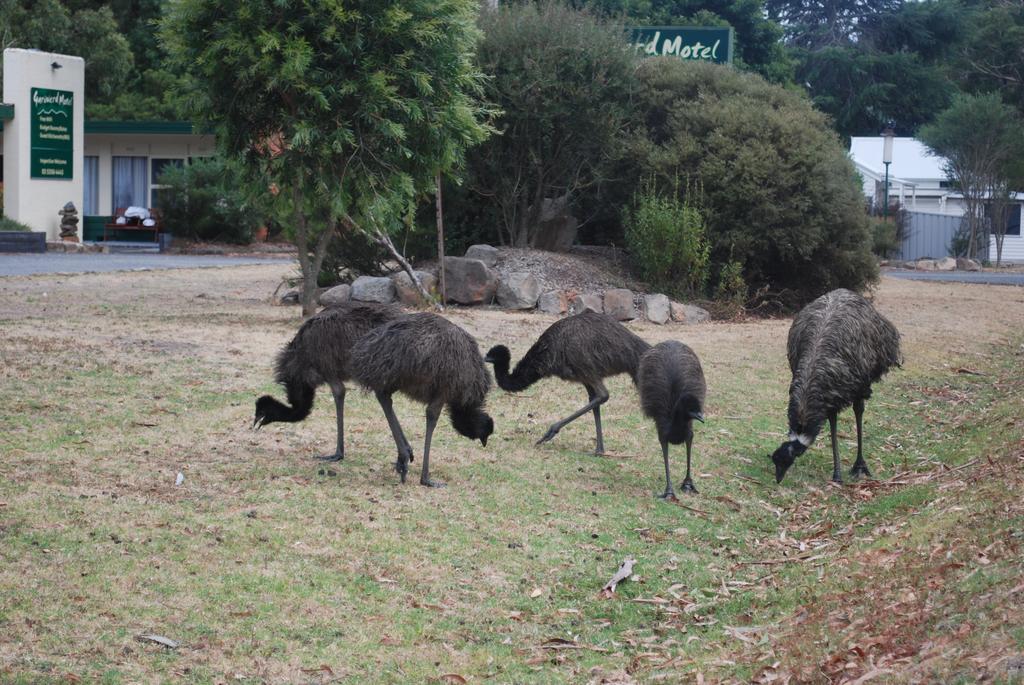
[
  {"x": 992, "y": 58},
  {"x": 979, "y": 137},
  {"x": 345, "y": 108}
]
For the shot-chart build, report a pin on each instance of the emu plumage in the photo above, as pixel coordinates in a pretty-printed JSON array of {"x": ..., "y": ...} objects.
[{"x": 838, "y": 346}]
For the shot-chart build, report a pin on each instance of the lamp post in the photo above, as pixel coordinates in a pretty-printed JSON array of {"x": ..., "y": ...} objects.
[{"x": 887, "y": 135}]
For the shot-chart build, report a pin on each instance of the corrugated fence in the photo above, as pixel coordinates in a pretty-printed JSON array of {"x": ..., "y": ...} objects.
[{"x": 929, "y": 235}]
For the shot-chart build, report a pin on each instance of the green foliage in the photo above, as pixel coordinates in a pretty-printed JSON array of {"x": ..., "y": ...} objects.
[
  {"x": 206, "y": 201},
  {"x": 74, "y": 28},
  {"x": 563, "y": 79},
  {"x": 781, "y": 196},
  {"x": 666, "y": 238},
  {"x": 350, "y": 255},
  {"x": 731, "y": 290},
  {"x": 758, "y": 45},
  {"x": 991, "y": 59},
  {"x": 11, "y": 226},
  {"x": 884, "y": 238},
  {"x": 349, "y": 108}
]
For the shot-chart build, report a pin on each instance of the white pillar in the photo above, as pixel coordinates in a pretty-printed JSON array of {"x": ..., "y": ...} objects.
[{"x": 34, "y": 193}]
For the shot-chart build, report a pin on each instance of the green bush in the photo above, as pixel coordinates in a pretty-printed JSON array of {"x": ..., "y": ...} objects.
[
  {"x": 12, "y": 226},
  {"x": 780, "y": 195},
  {"x": 731, "y": 291},
  {"x": 349, "y": 255},
  {"x": 665, "y": 236},
  {"x": 206, "y": 200},
  {"x": 884, "y": 238}
]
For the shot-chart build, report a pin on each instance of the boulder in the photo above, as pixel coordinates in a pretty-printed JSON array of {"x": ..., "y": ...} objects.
[
  {"x": 965, "y": 264},
  {"x": 946, "y": 264},
  {"x": 925, "y": 265},
  {"x": 657, "y": 308},
  {"x": 582, "y": 302},
  {"x": 485, "y": 253},
  {"x": 553, "y": 302},
  {"x": 292, "y": 296},
  {"x": 373, "y": 289},
  {"x": 407, "y": 292},
  {"x": 339, "y": 294},
  {"x": 618, "y": 304},
  {"x": 688, "y": 313},
  {"x": 469, "y": 281},
  {"x": 556, "y": 231},
  {"x": 519, "y": 290}
]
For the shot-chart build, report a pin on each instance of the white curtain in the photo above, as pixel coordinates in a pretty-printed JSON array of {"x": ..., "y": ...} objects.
[
  {"x": 91, "y": 181},
  {"x": 129, "y": 179}
]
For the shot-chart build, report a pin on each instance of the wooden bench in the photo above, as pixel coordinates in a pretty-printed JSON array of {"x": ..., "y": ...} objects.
[{"x": 133, "y": 224}]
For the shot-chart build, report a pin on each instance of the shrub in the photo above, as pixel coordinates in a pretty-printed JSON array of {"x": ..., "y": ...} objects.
[
  {"x": 884, "y": 238},
  {"x": 11, "y": 226},
  {"x": 731, "y": 291},
  {"x": 781, "y": 196},
  {"x": 563, "y": 79},
  {"x": 352, "y": 254},
  {"x": 665, "y": 236},
  {"x": 206, "y": 200}
]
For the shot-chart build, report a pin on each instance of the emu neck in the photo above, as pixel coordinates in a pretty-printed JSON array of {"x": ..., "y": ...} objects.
[{"x": 300, "y": 396}]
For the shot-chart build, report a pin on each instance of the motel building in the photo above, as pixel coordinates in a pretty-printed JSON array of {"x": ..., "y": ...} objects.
[{"x": 52, "y": 155}]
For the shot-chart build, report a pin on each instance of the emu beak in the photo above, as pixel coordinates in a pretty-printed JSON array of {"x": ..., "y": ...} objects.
[
  {"x": 780, "y": 473},
  {"x": 489, "y": 359},
  {"x": 257, "y": 423},
  {"x": 697, "y": 415},
  {"x": 483, "y": 441}
]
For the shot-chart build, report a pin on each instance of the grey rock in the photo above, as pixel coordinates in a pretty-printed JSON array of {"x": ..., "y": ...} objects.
[
  {"x": 556, "y": 231},
  {"x": 469, "y": 281},
  {"x": 519, "y": 290},
  {"x": 485, "y": 253},
  {"x": 553, "y": 302},
  {"x": 688, "y": 313},
  {"x": 965, "y": 264},
  {"x": 946, "y": 264},
  {"x": 657, "y": 308},
  {"x": 373, "y": 289},
  {"x": 292, "y": 296},
  {"x": 408, "y": 294},
  {"x": 582, "y": 302},
  {"x": 339, "y": 294},
  {"x": 618, "y": 304},
  {"x": 925, "y": 265}
]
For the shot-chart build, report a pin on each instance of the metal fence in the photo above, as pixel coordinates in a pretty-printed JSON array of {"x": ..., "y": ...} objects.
[{"x": 930, "y": 235}]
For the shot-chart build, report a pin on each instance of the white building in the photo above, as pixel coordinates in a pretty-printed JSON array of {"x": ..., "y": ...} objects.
[
  {"x": 918, "y": 183},
  {"x": 50, "y": 155}
]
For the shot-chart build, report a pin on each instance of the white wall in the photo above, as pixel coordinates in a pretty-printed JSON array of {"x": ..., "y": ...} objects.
[
  {"x": 1013, "y": 246},
  {"x": 35, "y": 201}
]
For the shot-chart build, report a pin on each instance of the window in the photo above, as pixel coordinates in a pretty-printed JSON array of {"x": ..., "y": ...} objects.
[
  {"x": 1013, "y": 220},
  {"x": 91, "y": 183},
  {"x": 157, "y": 167},
  {"x": 129, "y": 182}
]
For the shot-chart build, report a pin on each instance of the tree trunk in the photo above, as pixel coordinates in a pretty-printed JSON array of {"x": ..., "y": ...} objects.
[{"x": 440, "y": 242}]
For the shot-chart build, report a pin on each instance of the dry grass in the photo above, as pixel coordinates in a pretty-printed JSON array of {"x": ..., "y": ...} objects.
[{"x": 267, "y": 570}]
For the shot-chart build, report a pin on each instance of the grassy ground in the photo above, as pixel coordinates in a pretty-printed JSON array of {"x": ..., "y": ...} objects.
[{"x": 268, "y": 568}]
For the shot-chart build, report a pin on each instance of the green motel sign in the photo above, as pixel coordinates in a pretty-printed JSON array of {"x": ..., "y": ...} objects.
[
  {"x": 711, "y": 44},
  {"x": 52, "y": 114}
]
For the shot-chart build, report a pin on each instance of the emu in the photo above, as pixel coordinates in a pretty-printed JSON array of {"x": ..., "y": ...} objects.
[
  {"x": 838, "y": 346},
  {"x": 432, "y": 361},
  {"x": 586, "y": 349},
  {"x": 318, "y": 354},
  {"x": 672, "y": 392}
]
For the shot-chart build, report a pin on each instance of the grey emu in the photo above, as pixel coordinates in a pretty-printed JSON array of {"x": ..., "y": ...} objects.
[
  {"x": 586, "y": 349},
  {"x": 433, "y": 361},
  {"x": 672, "y": 392},
  {"x": 318, "y": 354},
  {"x": 838, "y": 346}
]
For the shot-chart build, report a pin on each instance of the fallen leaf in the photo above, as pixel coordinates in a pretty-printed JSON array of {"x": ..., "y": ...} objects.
[
  {"x": 537, "y": 592},
  {"x": 158, "y": 639},
  {"x": 322, "y": 668},
  {"x": 453, "y": 678}
]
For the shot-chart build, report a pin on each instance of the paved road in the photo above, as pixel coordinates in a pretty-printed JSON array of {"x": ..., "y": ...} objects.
[
  {"x": 57, "y": 262},
  {"x": 984, "y": 277}
]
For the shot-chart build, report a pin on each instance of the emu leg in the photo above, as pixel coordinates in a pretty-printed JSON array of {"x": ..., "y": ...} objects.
[
  {"x": 339, "y": 407},
  {"x": 433, "y": 412},
  {"x": 599, "y": 398},
  {"x": 404, "y": 451},
  {"x": 837, "y": 474},
  {"x": 669, "y": 492},
  {"x": 687, "y": 484},
  {"x": 591, "y": 393},
  {"x": 860, "y": 467}
]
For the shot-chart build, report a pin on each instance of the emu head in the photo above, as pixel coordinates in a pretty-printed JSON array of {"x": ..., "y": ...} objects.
[
  {"x": 472, "y": 423},
  {"x": 268, "y": 410},
  {"x": 499, "y": 356},
  {"x": 784, "y": 457}
]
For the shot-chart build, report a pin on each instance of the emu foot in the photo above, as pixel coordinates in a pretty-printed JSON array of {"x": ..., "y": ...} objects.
[
  {"x": 430, "y": 483},
  {"x": 687, "y": 486},
  {"x": 337, "y": 456},
  {"x": 837, "y": 478},
  {"x": 860, "y": 471},
  {"x": 552, "y": 432},
  {"x": 402, "y": 466},
  {"x": 668, "y": 495}
]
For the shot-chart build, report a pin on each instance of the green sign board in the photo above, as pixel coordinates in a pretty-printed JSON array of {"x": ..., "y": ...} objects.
[
  {"x": 700, "y": 43},
  {"x": 53, "y": 137}
]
